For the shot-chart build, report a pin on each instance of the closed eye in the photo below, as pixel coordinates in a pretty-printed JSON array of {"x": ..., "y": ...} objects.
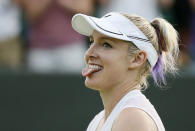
[{"x": 107, "y": 45}]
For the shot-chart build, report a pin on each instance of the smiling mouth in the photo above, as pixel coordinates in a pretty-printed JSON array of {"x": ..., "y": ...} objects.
[{"x": 90, "y": 69}]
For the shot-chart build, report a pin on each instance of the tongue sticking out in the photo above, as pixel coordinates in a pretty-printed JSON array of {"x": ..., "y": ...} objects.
[{"x": 87, "y": 71}]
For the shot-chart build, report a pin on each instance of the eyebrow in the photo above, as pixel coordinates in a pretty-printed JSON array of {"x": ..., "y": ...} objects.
[{"x": 104, "y": 38}]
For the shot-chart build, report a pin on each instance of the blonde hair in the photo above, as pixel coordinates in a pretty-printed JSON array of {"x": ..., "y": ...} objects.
[{"x": 165, "y": 40}]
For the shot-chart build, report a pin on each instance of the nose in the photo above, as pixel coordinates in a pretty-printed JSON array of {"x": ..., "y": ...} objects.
[{"x": 91, "y": 53}]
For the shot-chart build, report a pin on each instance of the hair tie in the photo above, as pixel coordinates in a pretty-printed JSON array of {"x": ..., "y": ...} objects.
[{"x": 161, "y": 41}]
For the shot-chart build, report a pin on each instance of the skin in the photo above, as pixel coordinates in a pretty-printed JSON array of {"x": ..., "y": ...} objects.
[
  {"x": 192, "y": 4},
  {"x": 141, "y": 121},
  {"x": 78, "y": 6},
  {"x": 117, "y": 78},
  {"x": 166, "y": 4},
  {"x": 103, "y": 2},
  {"x": 35, "y": 9}
]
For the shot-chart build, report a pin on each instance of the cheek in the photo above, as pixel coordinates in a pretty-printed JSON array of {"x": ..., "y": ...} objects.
[
  {"x": 111, "y": 78},
  {"x": 115, "y": 69},
  {"x": 116, "y": 64}
]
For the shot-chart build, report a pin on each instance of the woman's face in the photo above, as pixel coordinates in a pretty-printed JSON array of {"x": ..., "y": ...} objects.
[{"x": 107, "y": 62}]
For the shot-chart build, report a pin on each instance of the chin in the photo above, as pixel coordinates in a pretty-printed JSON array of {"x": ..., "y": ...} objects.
[{"x": 92, "y": 84}]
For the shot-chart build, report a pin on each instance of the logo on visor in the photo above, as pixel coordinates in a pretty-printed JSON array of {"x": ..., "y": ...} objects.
[
  {"x": 107, "y": 15},
  {"x": 130, "y": 36}
]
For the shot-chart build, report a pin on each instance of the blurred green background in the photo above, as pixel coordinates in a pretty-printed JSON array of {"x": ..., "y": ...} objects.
[{"x": 32, "y": 102}]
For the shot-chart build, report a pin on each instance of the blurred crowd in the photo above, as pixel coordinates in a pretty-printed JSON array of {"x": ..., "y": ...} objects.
[{"x": 37, "y": 36}]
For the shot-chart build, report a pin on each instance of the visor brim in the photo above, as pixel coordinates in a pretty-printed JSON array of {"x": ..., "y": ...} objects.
[{"x": 85, "y": 25}]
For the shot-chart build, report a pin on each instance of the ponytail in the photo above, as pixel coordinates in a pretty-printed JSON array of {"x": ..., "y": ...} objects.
[
  {"x": 164, "y": 38},
  {"x": 168, "y": 50}
]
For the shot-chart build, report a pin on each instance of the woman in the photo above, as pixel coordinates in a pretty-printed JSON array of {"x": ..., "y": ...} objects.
[{"x": 124, "y": 50}]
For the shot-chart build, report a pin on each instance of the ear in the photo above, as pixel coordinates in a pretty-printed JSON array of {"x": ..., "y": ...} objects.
[{"x": 138, "y": 60}]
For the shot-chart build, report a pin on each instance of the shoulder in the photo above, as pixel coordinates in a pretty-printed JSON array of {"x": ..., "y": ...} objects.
[
  {"x": 96, "y": 120},
  {"x": 134, "y": 119}
]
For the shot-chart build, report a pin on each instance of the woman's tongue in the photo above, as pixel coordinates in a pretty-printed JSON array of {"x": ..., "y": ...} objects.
[{"x": 87, "y": 71}]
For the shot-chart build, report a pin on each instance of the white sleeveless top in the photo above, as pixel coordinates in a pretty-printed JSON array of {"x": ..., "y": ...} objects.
[{"x": 132, "y": 99}]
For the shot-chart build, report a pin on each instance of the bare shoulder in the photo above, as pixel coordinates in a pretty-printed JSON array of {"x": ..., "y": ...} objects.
[{"x": 134, "y": 119}]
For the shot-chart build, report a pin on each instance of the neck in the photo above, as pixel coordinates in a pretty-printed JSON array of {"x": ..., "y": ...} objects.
[{"x": 112, "y": 96}]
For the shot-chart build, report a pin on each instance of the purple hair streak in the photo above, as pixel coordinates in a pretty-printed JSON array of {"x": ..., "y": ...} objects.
[{"x": 158, "y": 72}]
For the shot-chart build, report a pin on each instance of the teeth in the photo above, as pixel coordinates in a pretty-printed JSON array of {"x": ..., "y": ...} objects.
[{"x": 95, "y": 67}]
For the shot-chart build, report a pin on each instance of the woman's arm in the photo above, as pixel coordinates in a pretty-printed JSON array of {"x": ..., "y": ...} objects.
[
  {"x": 133, "y": 119},
  {"x": 78, "y": 6},
  {"x": 103, "y": 2},
  {"x": 33, "y": 9}
]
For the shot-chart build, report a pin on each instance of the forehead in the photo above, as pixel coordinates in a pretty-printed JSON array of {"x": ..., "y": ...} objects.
[{"x": 98, "y": 36}]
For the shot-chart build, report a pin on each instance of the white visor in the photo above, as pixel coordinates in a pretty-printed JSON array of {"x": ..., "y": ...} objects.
[{"x": 116, "y": 26}]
